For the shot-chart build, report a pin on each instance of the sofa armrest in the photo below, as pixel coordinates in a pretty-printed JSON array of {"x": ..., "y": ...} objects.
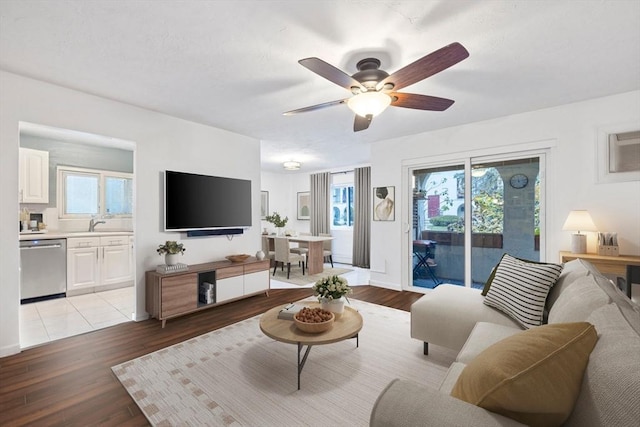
[{"x": 405, "y": 403}]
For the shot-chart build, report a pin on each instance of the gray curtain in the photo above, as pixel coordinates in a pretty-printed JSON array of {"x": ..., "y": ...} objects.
[
  {"x": 362, "y": 217},
  {"x": 320, "y": 193}
]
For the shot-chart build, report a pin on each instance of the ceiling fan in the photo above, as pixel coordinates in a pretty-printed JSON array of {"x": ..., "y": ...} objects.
[{"x": 375, "y": 89}]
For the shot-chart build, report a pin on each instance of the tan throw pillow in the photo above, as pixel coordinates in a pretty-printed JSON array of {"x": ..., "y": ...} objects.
[{"x": 533, "y": 377}]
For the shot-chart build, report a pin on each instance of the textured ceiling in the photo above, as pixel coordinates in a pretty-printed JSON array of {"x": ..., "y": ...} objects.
[{"x": 233, "y": 64}]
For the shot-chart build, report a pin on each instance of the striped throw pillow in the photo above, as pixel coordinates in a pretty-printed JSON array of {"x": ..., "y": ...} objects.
[{"x": 519, "y": 289}]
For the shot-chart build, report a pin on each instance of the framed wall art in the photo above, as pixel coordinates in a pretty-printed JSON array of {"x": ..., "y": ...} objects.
[
  {"x": 264, "y": 204},
  {"x": 384, "y": 208},
  {"x": 304, "y": 203}
]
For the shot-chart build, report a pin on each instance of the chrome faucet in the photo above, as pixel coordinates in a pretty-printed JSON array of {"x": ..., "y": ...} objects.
[{"x": 93, "y": 223}]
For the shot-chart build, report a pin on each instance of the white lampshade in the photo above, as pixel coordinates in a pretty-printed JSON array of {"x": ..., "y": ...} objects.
[
  {"x": 369, "y": 103},
  {"x": 579, "y": 221}
]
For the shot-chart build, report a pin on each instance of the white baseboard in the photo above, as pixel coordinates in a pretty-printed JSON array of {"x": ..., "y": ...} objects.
[
  {"x": 140, "y": 317},
  {"x": 392, "y": 286},
  {"x": 9, "y": 350}
]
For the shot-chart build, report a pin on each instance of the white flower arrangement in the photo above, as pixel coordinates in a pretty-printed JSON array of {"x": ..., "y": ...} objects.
[{"x": 332, "y": 287}]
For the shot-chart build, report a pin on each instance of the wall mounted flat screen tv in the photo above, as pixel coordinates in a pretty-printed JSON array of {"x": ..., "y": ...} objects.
[{"x": 203, "y": 202}]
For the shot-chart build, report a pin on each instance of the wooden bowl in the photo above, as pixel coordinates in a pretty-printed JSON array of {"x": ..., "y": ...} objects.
[
  {"x": 314, "y": 328},
  {"x": 238, "y": 258}
]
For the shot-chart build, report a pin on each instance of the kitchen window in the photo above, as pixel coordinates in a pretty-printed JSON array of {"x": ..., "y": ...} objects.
[{"x": 84, "y": 193}]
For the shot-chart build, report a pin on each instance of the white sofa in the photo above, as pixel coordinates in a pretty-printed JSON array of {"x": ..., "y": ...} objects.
[{"x": 456, "y": 317}]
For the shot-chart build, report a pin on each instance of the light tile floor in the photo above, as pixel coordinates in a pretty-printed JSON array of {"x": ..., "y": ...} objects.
[{"x": 46, "y": 321}]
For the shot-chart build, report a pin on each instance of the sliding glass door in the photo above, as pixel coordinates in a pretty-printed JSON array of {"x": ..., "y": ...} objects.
[
  {"x": 466, "y": 216},
  {"x": 438, "y": 226},
  {"x": 505, "y": 201}
]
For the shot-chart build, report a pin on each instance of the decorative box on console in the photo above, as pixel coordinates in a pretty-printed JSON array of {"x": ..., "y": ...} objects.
[
  {"x": 608, "y": 250},
  {"x": 608, "y": 244}
]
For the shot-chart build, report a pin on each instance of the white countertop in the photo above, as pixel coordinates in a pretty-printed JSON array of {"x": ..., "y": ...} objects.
[{"x": 57, "y": 234}]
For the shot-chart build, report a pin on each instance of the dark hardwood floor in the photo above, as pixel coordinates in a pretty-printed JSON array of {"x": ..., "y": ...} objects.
[{"x": 69, "y": 382}]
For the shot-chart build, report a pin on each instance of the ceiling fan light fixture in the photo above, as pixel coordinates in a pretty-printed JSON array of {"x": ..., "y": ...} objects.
[
  {"x": 369, "y": 103},
  {"x": 292, "y": 165}
]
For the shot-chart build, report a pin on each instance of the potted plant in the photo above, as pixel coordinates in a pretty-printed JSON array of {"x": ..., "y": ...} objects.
[
  {"x": 332, "y": 292},
  {"x": 170, "y": 249},
  {"x": 277, "y": 221}
]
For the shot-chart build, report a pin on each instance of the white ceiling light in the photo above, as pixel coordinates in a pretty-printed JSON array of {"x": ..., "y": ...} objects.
[
  {"x": 369, "y": 103},
  {"x": 292, "y": 165}
]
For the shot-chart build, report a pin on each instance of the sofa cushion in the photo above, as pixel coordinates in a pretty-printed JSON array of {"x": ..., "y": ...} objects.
[
  {"x": 577, "y": 301},
  {"x": 450, "y": 379},
  {"x": 405, "y": 403},
  {"x": 571, "y": 271},
  {"x": 533, "y": 377},
  {"x": 629, "y": 309},
  {"x": 519, "y": 288},
  {"x": 446, "y": 315},
  {"x": 483, "y": 336},
  {"x": 610, "y": 392}
]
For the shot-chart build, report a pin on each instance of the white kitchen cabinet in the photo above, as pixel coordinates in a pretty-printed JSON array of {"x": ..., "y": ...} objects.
[
  {"x": 117, "y": 259},
  {"x": 34, "y": 176},
  {"x": 99, "y": 263},
  {"x": 83, "y": 264}
]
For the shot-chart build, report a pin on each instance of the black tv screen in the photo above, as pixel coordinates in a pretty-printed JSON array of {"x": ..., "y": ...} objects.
[{"x": 202, "y": 202}]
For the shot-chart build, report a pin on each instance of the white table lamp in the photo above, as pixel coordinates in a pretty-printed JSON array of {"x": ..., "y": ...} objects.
[{"x": 579, "y": 221}]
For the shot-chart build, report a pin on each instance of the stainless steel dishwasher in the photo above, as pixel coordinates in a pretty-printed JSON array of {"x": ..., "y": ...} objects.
[{"x": 43, "y": 269}]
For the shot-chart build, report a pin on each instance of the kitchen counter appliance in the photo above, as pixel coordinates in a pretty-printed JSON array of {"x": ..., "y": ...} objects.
[{"x": 43, "y": 269}]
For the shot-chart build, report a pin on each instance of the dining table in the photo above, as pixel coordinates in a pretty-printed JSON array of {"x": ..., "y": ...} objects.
[{"x": 315, "y": 257}]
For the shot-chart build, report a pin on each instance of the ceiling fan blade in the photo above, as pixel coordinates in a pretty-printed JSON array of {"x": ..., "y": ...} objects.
[
  {"x": 426, "y": 66},
  {"x": 420, "y": 102},
  {"x": 361, "y": 123},
  {"x": 331, "y": 73},
  {"x": 315, "y": 107}
]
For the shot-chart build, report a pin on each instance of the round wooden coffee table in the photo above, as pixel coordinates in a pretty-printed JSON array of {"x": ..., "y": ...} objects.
[{"x": 345, "y": 327}]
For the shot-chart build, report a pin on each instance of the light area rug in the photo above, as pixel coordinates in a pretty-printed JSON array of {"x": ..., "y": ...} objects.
[
  {"x": 237, "y": 376},
  {"x": 296, "y": 277}
]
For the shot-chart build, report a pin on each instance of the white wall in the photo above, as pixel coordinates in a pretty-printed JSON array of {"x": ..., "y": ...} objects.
[
  {"x": 283, "y": 191},
  {"x": 571, "y": 177},
  {"x": 162, "y": 142}
]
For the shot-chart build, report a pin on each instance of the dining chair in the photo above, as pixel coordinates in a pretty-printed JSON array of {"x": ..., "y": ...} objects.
[
  {"x": 326, "y": 248},
  {"x": 283, "y": 255},
  {"x": 303, "y": 247},
  {"x": 268, "y": 253}
]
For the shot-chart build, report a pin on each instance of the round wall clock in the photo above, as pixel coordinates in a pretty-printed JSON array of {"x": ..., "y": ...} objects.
[{"x": 519, "y": 181}]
